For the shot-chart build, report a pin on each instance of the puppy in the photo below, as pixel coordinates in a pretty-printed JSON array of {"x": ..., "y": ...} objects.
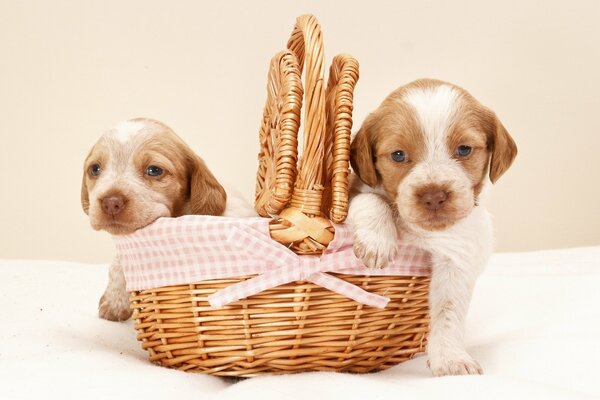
[
  {"x": 139, "y": 171},
  {"x": 425, "y": 158}
]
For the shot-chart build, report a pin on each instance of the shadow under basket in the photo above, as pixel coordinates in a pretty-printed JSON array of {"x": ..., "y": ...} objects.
[{"x": 291, "y": 328}]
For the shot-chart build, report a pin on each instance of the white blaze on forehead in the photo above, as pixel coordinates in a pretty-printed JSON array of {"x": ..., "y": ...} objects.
[
  {"x": 122, "y": 142},
  {"x": 123, "y": 131},
  {"x": 435, "y": 108}
]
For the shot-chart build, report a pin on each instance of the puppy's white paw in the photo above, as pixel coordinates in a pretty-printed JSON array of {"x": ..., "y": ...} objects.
[
  {"x": 373, "y": 249},
  {"x": 464, "y": 365},
  {"x": 375, "y": 235},
  {"x": 114, "y": 308}
]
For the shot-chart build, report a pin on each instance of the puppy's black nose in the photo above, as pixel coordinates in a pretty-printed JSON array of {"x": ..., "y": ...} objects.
[
  {"x": 434, "y": 200},
  {"x": 113, "y": 205}
]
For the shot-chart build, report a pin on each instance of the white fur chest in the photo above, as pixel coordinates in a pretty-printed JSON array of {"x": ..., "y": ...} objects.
[{"x": 467, "y": 244}]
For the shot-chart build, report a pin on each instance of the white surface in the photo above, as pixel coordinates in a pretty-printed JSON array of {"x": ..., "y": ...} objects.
[{"x": 534, "y": 325}]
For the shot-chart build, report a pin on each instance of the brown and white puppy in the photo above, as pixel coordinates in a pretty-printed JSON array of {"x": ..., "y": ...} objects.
[
  {"x": 138, "y": 171},
  {"x": 425, "y": 158}
]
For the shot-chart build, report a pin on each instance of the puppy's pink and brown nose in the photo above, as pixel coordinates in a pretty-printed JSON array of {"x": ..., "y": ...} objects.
[
  {"x": 113, "y": 205},
  {"x": 434, "y": 199}
]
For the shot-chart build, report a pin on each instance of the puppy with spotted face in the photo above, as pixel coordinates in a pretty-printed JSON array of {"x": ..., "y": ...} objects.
[
  {"x": 425, "y": 159},
  {"x": 139, "y": 171}
]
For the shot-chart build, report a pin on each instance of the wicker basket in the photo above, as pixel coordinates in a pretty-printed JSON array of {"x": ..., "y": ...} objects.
[{"x": 298, "y": 326}]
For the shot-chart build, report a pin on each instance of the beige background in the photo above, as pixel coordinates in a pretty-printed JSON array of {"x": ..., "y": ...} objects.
[{"x": 70, "y": 69}]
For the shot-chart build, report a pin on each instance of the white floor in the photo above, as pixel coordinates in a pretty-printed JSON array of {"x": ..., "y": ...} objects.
[{"x": 534, "y": 326}]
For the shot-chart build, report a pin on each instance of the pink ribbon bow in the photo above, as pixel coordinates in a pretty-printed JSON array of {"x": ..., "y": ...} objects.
[{"x": 290, "y": 267}]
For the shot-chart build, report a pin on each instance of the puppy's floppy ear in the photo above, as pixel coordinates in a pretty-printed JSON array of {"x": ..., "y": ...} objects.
[
  {"x": 504, "y": 150},
  {"x": 206, "y": 195},
  {"x": 85, "y": 199},
  {"x": 361, "y": 154}
]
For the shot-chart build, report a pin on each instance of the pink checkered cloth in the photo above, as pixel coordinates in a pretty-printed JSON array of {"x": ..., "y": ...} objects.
[{"x": 192, "y": 248}]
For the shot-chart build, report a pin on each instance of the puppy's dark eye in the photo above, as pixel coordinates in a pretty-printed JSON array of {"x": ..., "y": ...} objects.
[
  {"x": 463, "y": 151},
  {"x": 399, "y": 156},
  {"x": 95, "y": 169},
  {"x": 153, "y": 170}
]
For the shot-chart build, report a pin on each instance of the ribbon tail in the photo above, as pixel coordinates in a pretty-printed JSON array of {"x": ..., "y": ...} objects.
[
  {"x": 349, "y": 290},
  {"x": 250, "y": 287}
]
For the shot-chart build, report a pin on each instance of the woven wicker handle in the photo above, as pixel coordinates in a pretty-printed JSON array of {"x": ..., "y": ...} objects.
[
  {"x": 301, "y": 195},
  {"x": 343, "y": 76},
  {"x": 278, "y": 136}
]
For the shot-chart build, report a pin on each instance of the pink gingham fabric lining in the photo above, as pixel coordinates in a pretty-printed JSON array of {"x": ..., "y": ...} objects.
[{"x": 192, "y": 248}]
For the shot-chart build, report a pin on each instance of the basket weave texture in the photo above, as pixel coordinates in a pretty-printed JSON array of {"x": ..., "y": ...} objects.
[{"x": 298, "y": 326}]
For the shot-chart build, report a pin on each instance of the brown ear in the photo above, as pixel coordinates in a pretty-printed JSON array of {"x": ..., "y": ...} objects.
[
  {"x": 85, "y": 199},
  {"x": 504, "y": 151},
  {"x": 361, "y": 155},
  {"x": 206, "y": 195}
]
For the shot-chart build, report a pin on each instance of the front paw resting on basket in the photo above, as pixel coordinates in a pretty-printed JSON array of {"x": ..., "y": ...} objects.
[
  {"x": 459, "y": 364},
  {"x": 375, "y": 235},
  {"x": 375, "y": 251}
]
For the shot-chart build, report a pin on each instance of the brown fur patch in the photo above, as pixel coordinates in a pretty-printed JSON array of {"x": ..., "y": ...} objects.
[
  {"x": 390, "y": 128},
  {"x": 97, "y": 155}
]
